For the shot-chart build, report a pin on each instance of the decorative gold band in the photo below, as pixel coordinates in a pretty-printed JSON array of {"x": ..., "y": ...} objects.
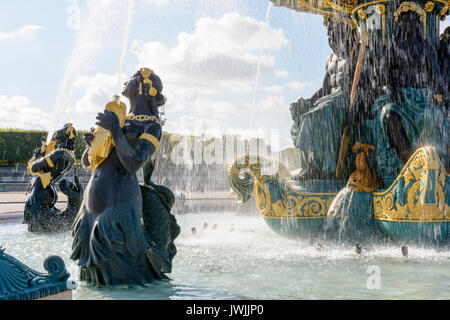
[
  {"x": 49, "y": 161},
  {"x": 141, "y": 118},
  {"x": 152, "y": 139}
]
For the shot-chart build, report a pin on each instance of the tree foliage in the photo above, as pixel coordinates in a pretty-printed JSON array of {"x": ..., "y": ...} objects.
[{"x": 17, "y": 146}]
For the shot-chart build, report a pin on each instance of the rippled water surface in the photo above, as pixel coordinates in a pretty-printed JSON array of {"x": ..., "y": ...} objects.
[{"x": 243, "y": 259}]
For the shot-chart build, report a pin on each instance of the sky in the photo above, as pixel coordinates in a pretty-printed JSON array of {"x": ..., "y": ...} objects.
[{"x": 228, "y": 67}]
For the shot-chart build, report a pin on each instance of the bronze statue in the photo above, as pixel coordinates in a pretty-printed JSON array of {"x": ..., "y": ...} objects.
[
  {"x": 318, "y": 121},
  {"x": 444, "y": 62},
  {"x": 412, "y": 111},
  {"x": 111, "y": 243},
  {"x": 48, "y": 166}
]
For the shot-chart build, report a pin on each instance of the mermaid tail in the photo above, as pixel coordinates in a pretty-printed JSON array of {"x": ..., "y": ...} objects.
[{"x": 160, "y": 225}]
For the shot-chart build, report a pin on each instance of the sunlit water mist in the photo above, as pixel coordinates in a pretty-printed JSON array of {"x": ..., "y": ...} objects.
[
  {"x": 243, "y": 259},
  {"x": 258, "y": 70},
  {"x": 125, "y": 43},
  {"x": 102, "y": 26}
]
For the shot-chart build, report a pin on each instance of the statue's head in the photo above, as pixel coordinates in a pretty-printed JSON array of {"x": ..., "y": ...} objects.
[
  {"x": 66, "y": 136},
  {"x": 445, "y": 41},
  {"x": 147, "y": 84},
  {"x": 342, "y": 35},
  {"x": 410, "y": 18}
]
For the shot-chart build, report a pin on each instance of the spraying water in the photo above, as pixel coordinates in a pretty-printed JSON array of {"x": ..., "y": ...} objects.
[
  {"x": 258, "y": 69},
  {"x": 125, "y": 43},
  {"x": 100, "y": 27}
]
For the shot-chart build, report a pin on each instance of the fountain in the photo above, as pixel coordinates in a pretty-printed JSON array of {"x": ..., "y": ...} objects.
[
  {"x": 392, "y": 108},
  {"x": 125, "y": 232},
  {"x": 50, "y": 164}
]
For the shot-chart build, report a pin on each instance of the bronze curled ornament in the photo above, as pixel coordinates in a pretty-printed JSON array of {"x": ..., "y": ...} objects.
[{"x": 146, "y": 73}]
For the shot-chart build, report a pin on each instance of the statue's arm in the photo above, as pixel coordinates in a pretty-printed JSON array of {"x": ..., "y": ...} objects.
[
  {"x": 40, "y": 165},
  {"x": 133, "y": 159},
  {"x": 48, "y": 162}
]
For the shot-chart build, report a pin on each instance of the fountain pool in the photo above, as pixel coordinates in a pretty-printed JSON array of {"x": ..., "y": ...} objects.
[{"x": 243, "y": 259}]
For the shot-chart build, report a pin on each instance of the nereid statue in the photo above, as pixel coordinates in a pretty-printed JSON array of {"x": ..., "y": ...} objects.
[
  {"x": 48, "y": 166},
  {"x": 124, "y": 232}
]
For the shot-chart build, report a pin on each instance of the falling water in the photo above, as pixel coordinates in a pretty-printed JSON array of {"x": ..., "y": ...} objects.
[
  {"x": 99, "y": 29},
  {"x": 258, "y": 69},
  {"x": 125, "y": 43}
]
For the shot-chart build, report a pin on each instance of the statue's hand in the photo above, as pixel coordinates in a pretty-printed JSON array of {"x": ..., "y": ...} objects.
[{"x": 108, "y": 120}]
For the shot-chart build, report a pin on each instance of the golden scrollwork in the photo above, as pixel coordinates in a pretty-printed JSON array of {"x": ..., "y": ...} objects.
[
  {"x": 348, "y": 7},
  {"x": 330, "y": 7},
  {"x": 429, "y": 6},
  {"x": 412, "y": 6},
  {"x": 275, "y": 198},
  {"x": 362, "y": 14},
  {"x": 418, "y": 194}
]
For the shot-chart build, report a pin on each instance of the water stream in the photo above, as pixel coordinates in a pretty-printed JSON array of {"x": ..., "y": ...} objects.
[
  {"x": 126, "y": 37},
  {"x": 258, "y": 69},
  {"x": 102, "y": 21}
]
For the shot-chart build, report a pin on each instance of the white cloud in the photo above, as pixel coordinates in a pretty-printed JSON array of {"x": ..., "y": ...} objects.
[
  {"x": 273, "y": 103},
  {"x": 18, "y": 112},
  {"x": 210, "y": 73},
  {"x": 299, "y": 86},
  {"x": 294, "y": 86},
  {"x": 281, "y": 73},
  {"x": 95, "y": 91},
  {"x": 220, "y": 54},
  {"x": 27, "y": 31},
  {"x": 219, "y": 109},
  {"x": 208, "y": 76},
  {"x": 275, "y": 89}
]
